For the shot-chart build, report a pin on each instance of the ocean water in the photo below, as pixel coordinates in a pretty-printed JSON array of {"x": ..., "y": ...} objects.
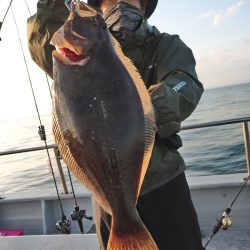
[
  {"x": 217, "y": 150},
  {"x": 207, "y": 151}
]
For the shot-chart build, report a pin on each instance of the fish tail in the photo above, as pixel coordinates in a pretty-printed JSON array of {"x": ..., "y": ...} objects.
[{"x": 132, "y": 237}]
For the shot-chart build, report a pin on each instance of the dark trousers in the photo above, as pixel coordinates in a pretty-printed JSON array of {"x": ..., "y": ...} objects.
[{"x": 167, "y": 212}]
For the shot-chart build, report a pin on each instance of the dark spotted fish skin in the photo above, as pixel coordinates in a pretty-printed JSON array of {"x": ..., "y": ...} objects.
[{"x": 103, "y": 122}]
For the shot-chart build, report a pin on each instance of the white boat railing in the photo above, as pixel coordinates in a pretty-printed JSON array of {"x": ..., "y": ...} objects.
[{"x": 243, "y": 120}]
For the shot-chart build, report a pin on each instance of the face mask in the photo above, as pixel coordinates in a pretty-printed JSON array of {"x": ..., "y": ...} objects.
[{"x": 122, "y": 19}]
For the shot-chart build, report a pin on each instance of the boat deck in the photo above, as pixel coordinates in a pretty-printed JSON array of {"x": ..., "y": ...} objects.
[
  {"x": 231, "y": 240},
  {"x": 37, "y": 212},
  {"x": 211, "y": 195}
]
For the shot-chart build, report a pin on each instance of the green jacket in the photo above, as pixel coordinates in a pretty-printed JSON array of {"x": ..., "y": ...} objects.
[{"x": 167, "y": 67}]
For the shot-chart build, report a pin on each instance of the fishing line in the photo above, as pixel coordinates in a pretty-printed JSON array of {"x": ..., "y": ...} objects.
[
  {"x": 27, "y": 7},
  {"x": 47, "y": 79},
  {"x": 225, "y": 221},
  {"x": 63, "y": 225},
  {"x": 1, "y": 23},
  {"x": 71, "y": 184}
]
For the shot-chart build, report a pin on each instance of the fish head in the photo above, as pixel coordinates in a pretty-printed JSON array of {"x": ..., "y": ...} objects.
[{"x": 81, "y": 36}]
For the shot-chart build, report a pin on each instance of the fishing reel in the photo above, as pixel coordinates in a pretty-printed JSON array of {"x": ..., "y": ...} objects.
[
  {"x": 78, "y": 215},
  {"x": 64, "y": 225},
  {"x": 225, "y": 221}
]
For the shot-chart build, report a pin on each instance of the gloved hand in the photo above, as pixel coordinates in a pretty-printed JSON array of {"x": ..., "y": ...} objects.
[
  {"x": 173, "y": 141},
  {"x": 166, "y": 112}
]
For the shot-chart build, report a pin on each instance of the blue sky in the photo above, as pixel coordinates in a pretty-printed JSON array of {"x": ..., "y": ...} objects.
[{"x": 218, "y": 32}]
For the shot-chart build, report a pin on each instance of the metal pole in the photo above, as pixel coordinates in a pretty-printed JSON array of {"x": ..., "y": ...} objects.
[
  {"x": 59, "y": 165},
  {"x": 246, "y": 140},
  {"x": 24, "y": 150},
  {"x": 216, "y": 123}
]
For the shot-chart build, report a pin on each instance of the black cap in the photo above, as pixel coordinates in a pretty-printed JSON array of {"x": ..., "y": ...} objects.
[{"x": 149, "y": 10}]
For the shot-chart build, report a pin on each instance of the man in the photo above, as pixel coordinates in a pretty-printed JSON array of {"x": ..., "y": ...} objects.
[{"x": 167, "y": 67}]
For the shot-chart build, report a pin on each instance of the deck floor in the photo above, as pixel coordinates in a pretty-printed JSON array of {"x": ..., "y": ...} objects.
[
  {"x": 222, "y": 241},
  {"x": 229, "y": 241}
]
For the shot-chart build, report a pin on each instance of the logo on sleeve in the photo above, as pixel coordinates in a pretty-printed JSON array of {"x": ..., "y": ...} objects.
[{"x": 179, "y": 86}]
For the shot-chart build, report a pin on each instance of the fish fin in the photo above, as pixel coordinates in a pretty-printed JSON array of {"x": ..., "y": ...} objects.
[
  {"x": 149, "y": 116},
  {"x": 71, "y": 162},
  {"x": 134, "y": 237},
  {"x": 136, "y": 77}
]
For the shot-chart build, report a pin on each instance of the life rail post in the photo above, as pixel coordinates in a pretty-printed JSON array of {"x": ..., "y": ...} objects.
[
  {"x": 59, "y": 165},
  {"x": 246, "y": 141}
]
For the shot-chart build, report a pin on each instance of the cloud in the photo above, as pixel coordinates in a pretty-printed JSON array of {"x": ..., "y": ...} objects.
[
  {"x": 219, "y": 16},
  {"x": 226, "y": 52},
  {"x": 224, "y": 63}
]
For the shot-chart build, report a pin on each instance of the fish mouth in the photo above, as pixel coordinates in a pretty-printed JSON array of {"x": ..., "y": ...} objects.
[
  {"x": 70, "y": 57},
  {"x": 74, "y": 42}
]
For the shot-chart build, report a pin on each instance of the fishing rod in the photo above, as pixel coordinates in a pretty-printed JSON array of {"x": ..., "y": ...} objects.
[
  {"x": 64, "y": 225},
  {"x": 225, "y": 221},
  {"x": 27, "y": 6},
  {"x": 77, "y": 214},
  {"x": 1, "y": 22}
]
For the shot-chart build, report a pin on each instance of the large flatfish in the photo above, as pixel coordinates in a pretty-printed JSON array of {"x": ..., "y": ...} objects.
[{"x": 103, "y": 121}]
